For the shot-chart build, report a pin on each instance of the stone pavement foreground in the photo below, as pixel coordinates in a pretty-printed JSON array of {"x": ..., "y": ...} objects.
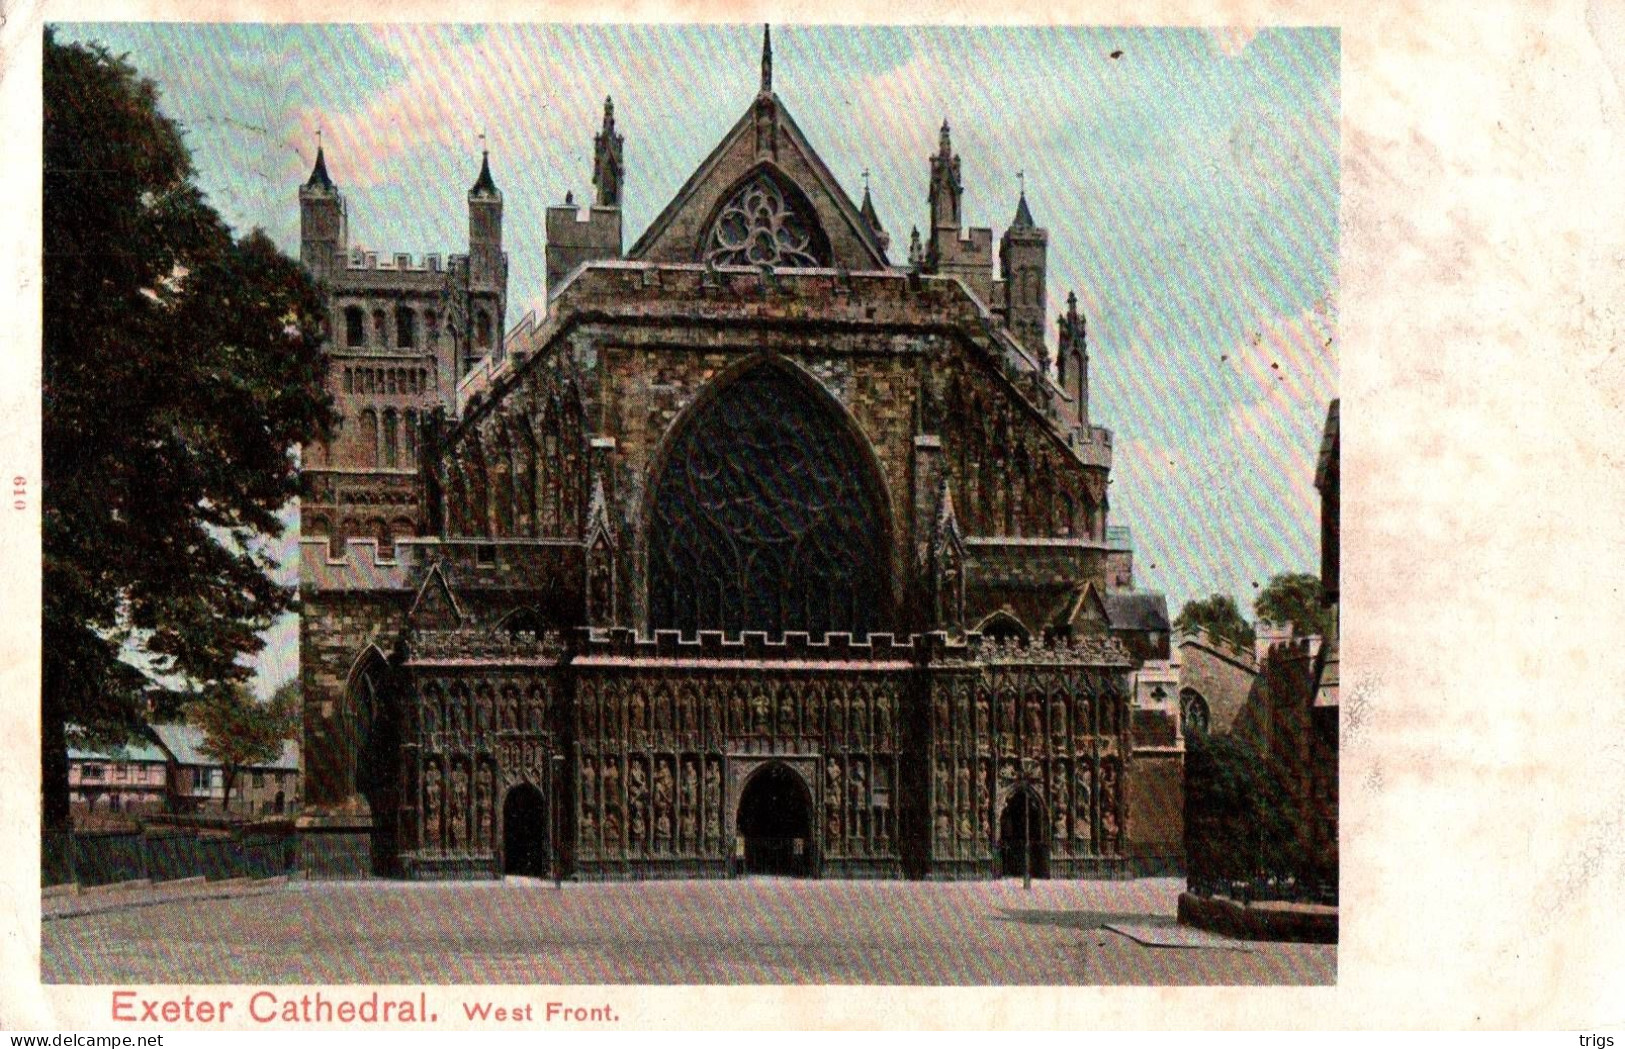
[{"x": 758, "y": 931}]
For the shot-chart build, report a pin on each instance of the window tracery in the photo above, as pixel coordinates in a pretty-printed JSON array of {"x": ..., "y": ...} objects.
[
  {"x": 762, "y": 520},
  {"x": 763, "y": 225}
]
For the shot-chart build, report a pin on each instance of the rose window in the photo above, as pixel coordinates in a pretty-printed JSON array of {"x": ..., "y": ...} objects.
[{"x": 762, "y": 226}]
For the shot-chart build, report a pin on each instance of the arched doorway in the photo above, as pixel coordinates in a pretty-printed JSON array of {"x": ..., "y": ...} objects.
[
  {"x": 1023, "y": 848},
  {"x": 775, "y": 819},
  {"x": 524, "y": 832},
  {"x": 374, "y": 749},
  {"x": 768, "y": 513}
]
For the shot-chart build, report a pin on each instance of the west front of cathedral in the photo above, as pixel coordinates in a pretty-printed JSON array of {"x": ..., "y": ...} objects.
[{"x": 761, "y": 551}]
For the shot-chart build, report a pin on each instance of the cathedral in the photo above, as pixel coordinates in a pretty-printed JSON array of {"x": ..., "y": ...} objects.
[{"x": 760, "y": 552}]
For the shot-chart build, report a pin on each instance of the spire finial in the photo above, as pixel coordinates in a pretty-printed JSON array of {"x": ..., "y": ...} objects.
[
  {"x": 767, "y": 58},
  {"x": 1021, "y": 180},
  {"x": 865, "y": 181},
  {"x": 318, "y": 173}
]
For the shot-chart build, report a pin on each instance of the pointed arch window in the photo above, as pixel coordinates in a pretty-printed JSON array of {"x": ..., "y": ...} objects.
[
  {"x": 767, "y": 515},
  {"x": 766, "y": 223}
]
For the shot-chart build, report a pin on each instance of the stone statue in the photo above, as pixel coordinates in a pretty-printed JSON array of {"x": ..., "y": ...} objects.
[
  {"x": 832, "y": 779},
  {"x": 637, "y": 782},
  {"x": 663, "y": 783},
  {"x": 459, "y": 806},
  {"x": 883, "y": 716},
  {"x": 981, "y": 716},
  {"x": 589, "y": 781},
  {"x": 637, "y": 713},
  {"x": 482, "y": 803},
  {"x": 713, "y": 787},
  {"x": 737, "y": 702},
  {"x": 612, "y": 781},
  {"x": 945, "y": 830},
  {"x": 690, "y": 784},
  {"x": 1057, "y": 718},
  {"x": 431, "y": 806},
  {"x": 759, "y": 713}
]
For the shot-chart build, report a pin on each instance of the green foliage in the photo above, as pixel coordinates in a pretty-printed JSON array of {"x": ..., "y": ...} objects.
[
  {"x": 1296, "y": 598},
  {"x": 1239, "y": 820},
  {"x": 1219, "y": 616},
  {"x": 181, "y": 366},
  {"x": 239, "y": 731}
]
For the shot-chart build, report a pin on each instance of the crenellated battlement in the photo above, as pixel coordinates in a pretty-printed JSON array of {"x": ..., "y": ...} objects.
[
  {"x": 362, "y": 565},
  {"x": 358, "y": 260},
  {"x": 619, "y": 645}
]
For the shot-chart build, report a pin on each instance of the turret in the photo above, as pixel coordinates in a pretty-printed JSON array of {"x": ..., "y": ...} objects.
[
  {"x": 1073, "y": 358},
  {"x": 951, "y": 252},
  {"x": 577, "y": 235},
  {"x": 322, "y": 234},
  {"x": 946, "y": 190},
  {"x": 487, "y": 265},
  {"x": 1022, "y": 260},
  {"x": 606, "y": 159}
]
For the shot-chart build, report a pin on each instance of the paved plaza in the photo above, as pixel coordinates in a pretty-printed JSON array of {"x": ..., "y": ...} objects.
[{"x": 757, "y": 931}]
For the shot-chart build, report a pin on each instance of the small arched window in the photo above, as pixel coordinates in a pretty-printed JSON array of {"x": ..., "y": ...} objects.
[
  {"x": 369, "y": 437},
  {"x": 410, "y": 435},
  {"x": 482, "y": 330},
  {"x": 391, "y": 438},
  {"x": 355, "y": 327},
  {"x": 431, "y": 326},
  {"x": 380, "y": 331},
  {"x": 406, "y": 327}
]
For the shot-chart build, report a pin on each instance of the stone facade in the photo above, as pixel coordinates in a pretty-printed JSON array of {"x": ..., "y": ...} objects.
[{"x": 757, "y": 552}]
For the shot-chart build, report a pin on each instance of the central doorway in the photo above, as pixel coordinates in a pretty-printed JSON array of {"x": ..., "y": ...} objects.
[
  {"x": 524, "y": 832},
  {"x": 1022, "y": 848},
  {"x": 775, "y": 821}
]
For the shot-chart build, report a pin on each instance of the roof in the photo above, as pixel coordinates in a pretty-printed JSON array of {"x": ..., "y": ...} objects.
[
  {"x": 318, "y": 174},
  {"x": 485, "y": 185},
  {"x": 1024, "y": 216},
  {"x": 709, "y": 181},
  {"x": 1134, "y": 611},
  {"x": 185, "y": 742},
  {"x": 140, "y": 750}
]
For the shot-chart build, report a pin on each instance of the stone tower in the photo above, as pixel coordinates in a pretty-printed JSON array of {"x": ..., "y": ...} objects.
[
  {"x": 1022, "y": 257},
  {"x": 322, "y": 236}
]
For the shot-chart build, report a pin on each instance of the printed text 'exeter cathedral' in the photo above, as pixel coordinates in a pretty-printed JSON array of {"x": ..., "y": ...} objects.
[{"x": 771, "y": 547}]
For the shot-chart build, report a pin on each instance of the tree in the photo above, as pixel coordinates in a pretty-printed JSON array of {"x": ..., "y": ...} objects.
[
  {"x": 1219, "y": 616},
  {"x": 181, "y": 367},
  {"x": 1240, "y": 823},
  {"x": 239, "y": 731},
  {"x": 1296, "y": 598}
]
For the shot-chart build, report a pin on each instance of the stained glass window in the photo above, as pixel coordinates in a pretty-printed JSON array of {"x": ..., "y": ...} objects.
[
  {"x": 763, "y": 519},
  {"x": 765, "y": 225}
]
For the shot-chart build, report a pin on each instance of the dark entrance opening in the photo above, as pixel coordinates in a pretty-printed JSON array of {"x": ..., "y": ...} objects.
[
  {"x": 1021, "y": 837},
  {"x": 524, "y": 832},
  {"x": 775, "y": 819}
]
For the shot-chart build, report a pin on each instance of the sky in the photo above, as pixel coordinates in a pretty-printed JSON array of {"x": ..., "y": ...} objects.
[{"x": 1188, "y": 179}]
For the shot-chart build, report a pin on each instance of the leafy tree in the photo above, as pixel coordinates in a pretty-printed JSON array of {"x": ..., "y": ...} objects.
[
  {"x": 1296, "y": 598},
  {"x": 1219, "y": 616},
  {"x": 1240, "y": 822},
  {"x": 239, "y": 731},
  {"x": 181, "y": 366}
]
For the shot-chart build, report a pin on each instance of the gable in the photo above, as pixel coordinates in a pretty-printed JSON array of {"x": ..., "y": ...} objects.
[
  {"x": 765, "y": 145},
  {"x": 435, "y": 607}
]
